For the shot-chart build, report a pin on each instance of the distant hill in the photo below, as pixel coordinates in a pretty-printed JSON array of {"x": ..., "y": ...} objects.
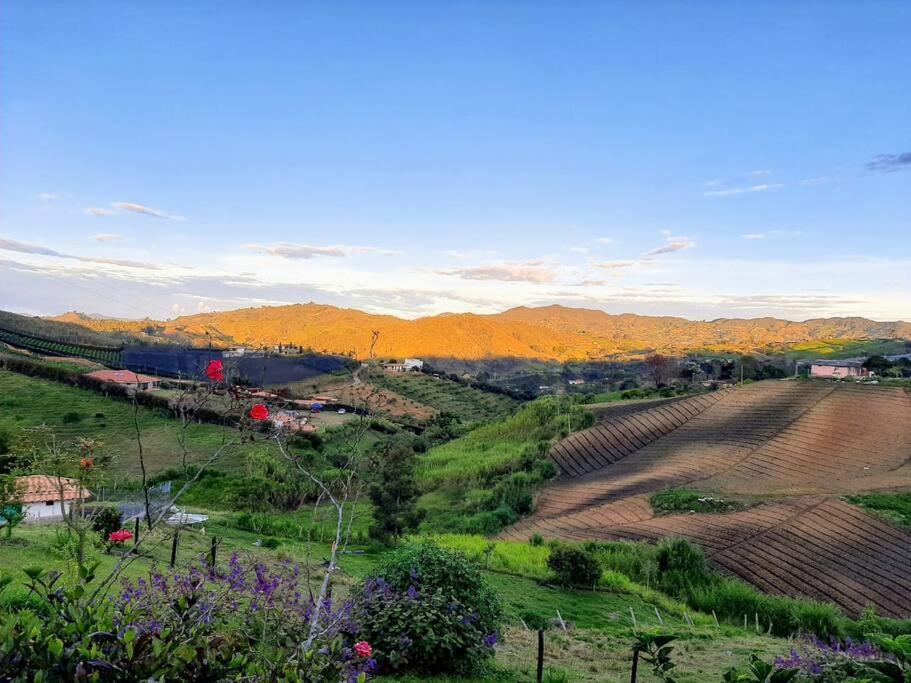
[{"x": 546, "y": 333}]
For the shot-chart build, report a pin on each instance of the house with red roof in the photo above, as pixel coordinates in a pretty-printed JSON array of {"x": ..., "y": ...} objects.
[
  {"x": 46, "y": 499},
  {"x": 128, "y": 378}
]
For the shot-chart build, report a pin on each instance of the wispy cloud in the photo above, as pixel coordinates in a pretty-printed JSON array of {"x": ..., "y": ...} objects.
[
  {"x": 99, "y": 211},
  {"x": 38, "y": 250},
  {"x": 771, "y": 233},
  {"x": 672, "y": 244},
  {"x": 578, "y": 250},
  {"x": 605, "y": 240},
  {"x": 107, "y": 237},
  {"x": 146, "y": 211},
  {"x": 48, "y": 196},
  {"x": 530, "y": 271},
  {"x": 290, "y": 250},
  {"x": 727, "y": 192},
  {"x": 614, "y": 265},
  {"x": 889, "y": 162}
]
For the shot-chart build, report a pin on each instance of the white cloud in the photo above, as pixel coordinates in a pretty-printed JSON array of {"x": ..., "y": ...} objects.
[
  {"x": 146, "y": 211},
  {"x": 38, "y": 250},
  {"x": 99, "y": 211},
  {"x": 614, "y": 265},
  {"x": 579, "y": 250},
  {"x": 671, "y": 245},
  {"x": 291, "y": 250},
  {"x": 530, "y": 271},
  {"x": 48, "y": 196},
  {"x": 605, "y": 240},
  {"x": 754, "y": 236},
  {"x": 107, "y": 237},
  {"x": 742, "y": 190}
]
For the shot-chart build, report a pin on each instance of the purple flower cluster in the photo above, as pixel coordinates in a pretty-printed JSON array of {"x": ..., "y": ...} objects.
[
  {"x": 257, "y": 603},
  {"x": 816, "y": 655}
]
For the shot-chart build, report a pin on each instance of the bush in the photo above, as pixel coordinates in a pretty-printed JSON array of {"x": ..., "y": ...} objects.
[
  {"x": 271, "y": 543},
  {"x": 106, "y": 521},
  {"x": 574, "y": 566},
  {"x": 71, "y": 418},
  {"x": 429, "y": 610},
  {"x": 681, "y": 565}
]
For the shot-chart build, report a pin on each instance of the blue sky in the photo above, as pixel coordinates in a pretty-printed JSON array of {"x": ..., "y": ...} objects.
[{"x": 697, "y": 159}]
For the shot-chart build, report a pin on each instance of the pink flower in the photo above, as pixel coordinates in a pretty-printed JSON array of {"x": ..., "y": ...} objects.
[
  {"x": 363, "y": 649},
  {"x": 259, "y": 412},
  {"x": 121, "y": 536},
  {"x": 215, "y": 371}
]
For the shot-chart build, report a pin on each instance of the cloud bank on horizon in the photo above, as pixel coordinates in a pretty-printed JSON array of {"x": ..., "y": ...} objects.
[{"x": 438, "y": 168}]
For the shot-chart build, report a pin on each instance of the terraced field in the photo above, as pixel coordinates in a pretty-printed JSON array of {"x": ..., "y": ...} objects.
[{"x": 793, "y": 446}]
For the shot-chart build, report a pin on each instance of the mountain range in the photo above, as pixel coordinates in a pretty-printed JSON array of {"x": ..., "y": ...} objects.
[{"x": 545, "y": 333}]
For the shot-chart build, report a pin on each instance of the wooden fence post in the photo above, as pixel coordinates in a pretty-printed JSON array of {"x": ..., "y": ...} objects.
[
  {"x": 136, "y": 532},
  {"x": 212, "y": 552},
  {"x": 635, "y": 671},
  {"x": 174, "y": 549},
  {"x": 540, "y": 655}
]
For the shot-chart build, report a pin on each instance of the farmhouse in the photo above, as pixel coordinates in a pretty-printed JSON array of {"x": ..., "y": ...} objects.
[
  {"x": 836, "y": 369},
  {"x": 42, "y": 497},
  {"x": 409, "y": 365},
  {"x": 127, "y": 378}
]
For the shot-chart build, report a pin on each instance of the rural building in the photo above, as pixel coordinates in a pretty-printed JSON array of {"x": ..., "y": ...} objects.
[
  {"x": 576, "y": 382},
  {"x": 127, "y": 378},
  {"x": 291, "y": 421},
  {"x": 41, "y": 497},
  {"x": 409, "y": 365},
  {"x": 837, "y": 369}
]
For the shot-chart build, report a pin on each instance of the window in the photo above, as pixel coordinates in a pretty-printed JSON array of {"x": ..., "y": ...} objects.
[{"x": 50, "y": 502}]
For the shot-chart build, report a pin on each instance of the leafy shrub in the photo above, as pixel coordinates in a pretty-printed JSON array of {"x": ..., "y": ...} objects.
[
  {"x": 71, "y": 417},
  {"x": 106, "y": 521},
  {"x": 271, "y": 543},
  {"x": 429, "y": 610},
  {"x": 574, "y": 566},
  {"x": 536, "y": 540}
]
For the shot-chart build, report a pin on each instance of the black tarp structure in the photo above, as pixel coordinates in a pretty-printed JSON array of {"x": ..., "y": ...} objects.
[{"x": 257, "y": 369}]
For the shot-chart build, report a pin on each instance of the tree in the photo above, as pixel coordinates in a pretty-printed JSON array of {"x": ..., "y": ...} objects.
[
  {"x": 393, "y": 492},
  {"x": 877, "y": 364},
  {"x": 661, "y": 369},
  {"x": 10, "y": 503}
]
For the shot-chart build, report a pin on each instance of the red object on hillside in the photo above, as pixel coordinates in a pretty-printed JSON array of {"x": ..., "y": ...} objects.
[
  {"x": 259, "y": 412},
  {"x": 363, "y": 649},
  {"x": 215, "y": 371},
  {"x": 86, "y": 463},
  {"x": 121, "y": 536}
]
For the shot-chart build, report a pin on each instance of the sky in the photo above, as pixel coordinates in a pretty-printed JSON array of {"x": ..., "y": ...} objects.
[{"x": 700, "y": 159}]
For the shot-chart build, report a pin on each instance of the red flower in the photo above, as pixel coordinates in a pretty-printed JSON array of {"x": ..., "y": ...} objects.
[
  {"x": 363, "y": 649},
  {"x": 215, "y": 371},
  {"x": 259, "y": 412},
  {"x": 120, "y": 536},
  {"x": 86, "y": 463}
]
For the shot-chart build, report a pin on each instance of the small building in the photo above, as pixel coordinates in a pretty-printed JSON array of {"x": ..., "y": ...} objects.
[
  {"x": 838, "y": 369},
  {"x": 48, "y": 499},
  {"x": 127, "y": 378},
  {"x": 576, "y": 382},
  {"x": 414, "y": 364}
]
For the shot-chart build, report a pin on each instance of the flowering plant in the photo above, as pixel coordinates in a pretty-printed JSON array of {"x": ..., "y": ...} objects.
[
  {"x": 215, "y": 371},
  {"x": 259, "y": 412},
  {"x": 120, "y": 536}
]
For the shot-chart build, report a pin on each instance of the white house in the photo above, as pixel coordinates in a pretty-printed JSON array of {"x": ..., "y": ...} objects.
[
  {"x": 41, "y": 497},
  {"x": 836, "y": 369},
  {"x": 413, "y": 364}
]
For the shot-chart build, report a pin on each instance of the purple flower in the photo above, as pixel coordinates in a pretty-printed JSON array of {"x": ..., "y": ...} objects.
[
  {"x": 412, "y": 593},
  {"x": 490, "y": 640}
]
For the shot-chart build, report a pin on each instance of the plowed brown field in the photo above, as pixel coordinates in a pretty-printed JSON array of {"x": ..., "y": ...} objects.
[{"x": 792, "y": 444}]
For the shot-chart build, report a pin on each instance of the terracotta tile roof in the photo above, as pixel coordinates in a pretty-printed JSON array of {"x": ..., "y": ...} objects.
[
  {"x": 121, "y": 376},
  {"x": 38, "y": 488}
]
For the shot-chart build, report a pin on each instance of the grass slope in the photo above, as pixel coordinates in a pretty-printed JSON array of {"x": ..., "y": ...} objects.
[{"x": 28, "y": 402}]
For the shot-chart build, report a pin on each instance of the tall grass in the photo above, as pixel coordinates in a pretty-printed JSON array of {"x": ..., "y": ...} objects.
[{"x": 492, "y": 448}]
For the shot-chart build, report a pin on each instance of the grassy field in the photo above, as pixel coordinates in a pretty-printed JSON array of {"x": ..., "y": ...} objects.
[
  {"x": 466, "y": 403},
  {"x": 72, "y": 412},
  {"x": 492, "y": 447},
  {"x": 896, "y": 507}
]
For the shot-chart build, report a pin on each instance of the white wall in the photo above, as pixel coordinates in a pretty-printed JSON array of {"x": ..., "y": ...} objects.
[{"x": 37, "y": 512}]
